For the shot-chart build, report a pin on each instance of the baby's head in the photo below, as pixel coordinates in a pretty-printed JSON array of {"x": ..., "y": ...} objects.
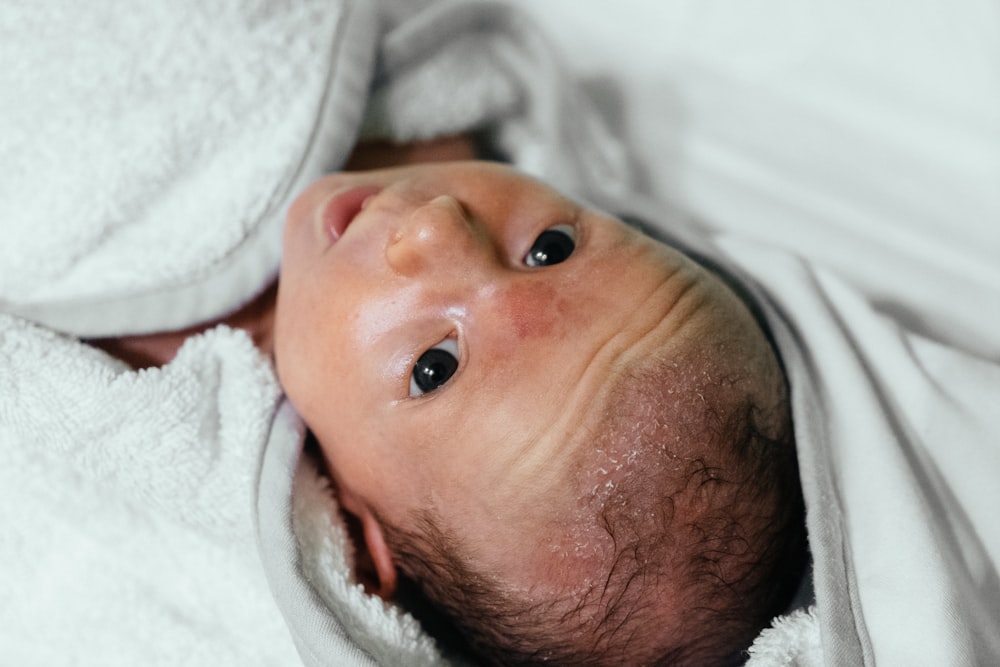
[{"x": 573, "y": 437}]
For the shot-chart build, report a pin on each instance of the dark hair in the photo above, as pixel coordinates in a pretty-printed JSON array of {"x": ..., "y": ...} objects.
[{"x": 708, "y": 531}]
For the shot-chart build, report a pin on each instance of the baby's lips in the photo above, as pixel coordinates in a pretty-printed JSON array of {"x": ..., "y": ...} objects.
[{"x": 343, "y": 207}]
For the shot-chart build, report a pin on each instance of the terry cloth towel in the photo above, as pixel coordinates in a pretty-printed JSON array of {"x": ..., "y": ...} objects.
[
  {"x": 148, "y": 155},
  {"x": 124, "y": 499}
]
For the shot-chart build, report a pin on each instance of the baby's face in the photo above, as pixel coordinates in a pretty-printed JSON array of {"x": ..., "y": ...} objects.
[{"x": 448, "y": 331}]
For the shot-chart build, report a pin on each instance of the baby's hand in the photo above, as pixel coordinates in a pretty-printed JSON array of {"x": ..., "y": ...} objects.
[{"x": 378, "y": 154}]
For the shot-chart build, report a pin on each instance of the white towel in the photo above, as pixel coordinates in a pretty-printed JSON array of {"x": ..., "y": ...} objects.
[
  {"x": 148, "y": 153},
  {"x": 127, "y": 533},
  {"x": 791, "y": 641}
]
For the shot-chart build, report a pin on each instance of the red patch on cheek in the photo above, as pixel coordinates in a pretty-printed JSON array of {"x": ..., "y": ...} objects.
[{"x": 531, "y": 309}]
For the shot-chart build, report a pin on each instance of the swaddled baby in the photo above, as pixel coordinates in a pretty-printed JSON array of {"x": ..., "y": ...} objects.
[{"x": 574, "y": 438}]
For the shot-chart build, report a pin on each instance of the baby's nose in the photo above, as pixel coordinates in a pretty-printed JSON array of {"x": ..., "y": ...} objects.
[{"x": 437, "y": 235}]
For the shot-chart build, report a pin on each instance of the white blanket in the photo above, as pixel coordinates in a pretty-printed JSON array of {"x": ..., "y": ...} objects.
[
  {"x": 149, "y": 155},
  {"x": 124, "y": 499}
]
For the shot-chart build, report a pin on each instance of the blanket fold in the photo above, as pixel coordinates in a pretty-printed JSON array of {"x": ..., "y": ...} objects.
[{"x": 149, "y": 156}]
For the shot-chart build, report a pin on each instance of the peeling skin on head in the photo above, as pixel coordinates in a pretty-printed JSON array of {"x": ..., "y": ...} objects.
[{"x": 614, "y": 469}]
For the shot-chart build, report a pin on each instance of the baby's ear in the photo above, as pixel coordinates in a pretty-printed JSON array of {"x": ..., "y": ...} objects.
[{"x": 374, "y": 542}]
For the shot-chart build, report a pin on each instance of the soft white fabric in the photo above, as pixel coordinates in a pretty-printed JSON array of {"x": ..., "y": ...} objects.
[
  {"x": 124, "y": 499},
  {"x": 900, "y": 451},
  {"x": 149, "y": 155},
  {"x": 308, "y": 566},
  {"x": 509, "y": 73},
  {"x": 392, "y": 637},
  {"x": 792, "y": 641}
]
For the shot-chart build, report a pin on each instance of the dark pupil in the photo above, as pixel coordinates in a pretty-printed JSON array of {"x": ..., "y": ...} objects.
[
  {"x": 551, "y": 247},
  {"x": 434, "y": 368}
]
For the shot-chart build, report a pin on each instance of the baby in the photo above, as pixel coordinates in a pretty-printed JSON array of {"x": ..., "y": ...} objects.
[{"x": 574, "y": 438}]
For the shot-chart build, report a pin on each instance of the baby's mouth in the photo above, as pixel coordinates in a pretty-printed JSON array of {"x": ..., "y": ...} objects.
[{"x": 343, "y": 207}]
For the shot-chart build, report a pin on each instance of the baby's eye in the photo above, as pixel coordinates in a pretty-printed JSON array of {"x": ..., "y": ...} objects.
[
  {"x": 434, "y": 367},
  {"x": 552, "y": 246}
]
